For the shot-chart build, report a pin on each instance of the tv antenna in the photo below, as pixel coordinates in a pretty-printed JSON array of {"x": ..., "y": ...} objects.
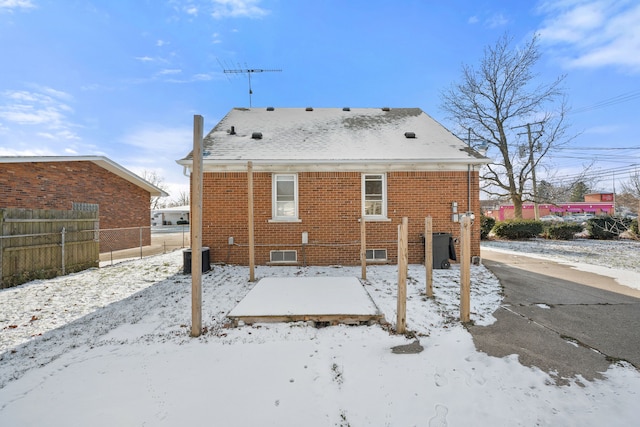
[{"x": 248, "y": 72}]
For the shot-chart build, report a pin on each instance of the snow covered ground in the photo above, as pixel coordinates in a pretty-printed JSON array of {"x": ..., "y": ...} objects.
[
  {"x": 612, "y": 258},
  {"x": 110, "y": 347}
]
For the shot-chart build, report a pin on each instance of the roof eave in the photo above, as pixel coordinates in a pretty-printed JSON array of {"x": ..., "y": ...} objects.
[
  {"x": 275, "y": 165},
  {"x": 101, "y": 161}
]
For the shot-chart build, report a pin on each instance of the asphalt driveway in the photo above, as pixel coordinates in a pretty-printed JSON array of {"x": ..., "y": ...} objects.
[{"x": 563, "y": 321}]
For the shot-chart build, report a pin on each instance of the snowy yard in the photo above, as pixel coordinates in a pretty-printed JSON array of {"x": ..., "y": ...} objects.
[{"x": 110, "y": 346}]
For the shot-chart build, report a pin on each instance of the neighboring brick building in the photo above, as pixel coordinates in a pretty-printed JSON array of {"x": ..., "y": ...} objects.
[
  {"x": 80, "y": 182},
  {"x": 318, "y": 171}
]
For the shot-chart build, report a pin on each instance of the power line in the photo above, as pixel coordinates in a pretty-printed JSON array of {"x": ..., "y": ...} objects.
[
  {"x": 595, "y": 174},
  {"x": 618, "y": 99}
]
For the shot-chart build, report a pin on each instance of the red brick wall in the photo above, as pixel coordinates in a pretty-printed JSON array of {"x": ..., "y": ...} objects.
[
  {"x": 329, "y": 209},
  {"x": 56, "y": 185}
]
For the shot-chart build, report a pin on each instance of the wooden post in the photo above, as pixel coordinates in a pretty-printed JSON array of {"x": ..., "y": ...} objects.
[
  {"x": 363, "y": 248},
  {"x": 62, "y": 239},
  {"x": 252, "y": 250},
  {"x": 196, "y": 229},
  {"x": 465, "y": 269},
  {"x": 428, "y": 254},
  {"x": 403, "y": 253}
]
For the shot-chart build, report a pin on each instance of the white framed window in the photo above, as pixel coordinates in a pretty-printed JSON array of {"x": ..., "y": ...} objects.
[
  {"x": 285, "y": 197},
  {"x": 283, "y": 256},
  {"x": 376, "y": 254},
  {"x": 374, "y": 196}
]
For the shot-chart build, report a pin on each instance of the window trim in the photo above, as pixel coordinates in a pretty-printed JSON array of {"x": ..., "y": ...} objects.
[
  {"x": 284, "y": 261},
  {"x": 373, "y": 252},
  {"x": 383, "y": 215},
  {"x": 274, "y": 198}
]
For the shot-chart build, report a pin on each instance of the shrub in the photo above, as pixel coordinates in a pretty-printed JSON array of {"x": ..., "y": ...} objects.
[
  {"x": 518, "y": 229},
  {"x": 607, "y": 227},
  {"x": 486, "y": 225},
  {"x": 634, "y": 227},
  {"x": 562, "y": 231}
]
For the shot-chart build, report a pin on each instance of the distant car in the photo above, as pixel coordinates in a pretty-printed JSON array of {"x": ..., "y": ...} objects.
[{"x": 551, "y": 218}]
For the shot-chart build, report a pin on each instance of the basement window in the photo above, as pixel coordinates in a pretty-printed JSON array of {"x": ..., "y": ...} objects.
[
  {"x": 376, "y": 255},
  {"x": 283, "y": 256}
]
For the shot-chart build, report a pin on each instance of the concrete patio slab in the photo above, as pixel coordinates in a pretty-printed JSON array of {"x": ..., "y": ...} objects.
[{"x": 319, "y": 299}]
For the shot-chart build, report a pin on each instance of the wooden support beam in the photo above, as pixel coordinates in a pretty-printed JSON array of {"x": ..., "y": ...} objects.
[
  {"x": 363, "y": 248},
  {"x": 252, "y": 249},
  {"x": 465, "y": 269},
  {"x": 428, "y": 254},
  {"x": 403, "y": 259},
  {"x": 196, "y": 228}
]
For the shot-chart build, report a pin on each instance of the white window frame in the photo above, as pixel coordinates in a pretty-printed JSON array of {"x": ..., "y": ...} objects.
[
  {"x": 373, "y": 253},
  {"x": 274, "y": 198},
  {"x": 383, "y": 213},
  {"x": 283, "y": 261}
]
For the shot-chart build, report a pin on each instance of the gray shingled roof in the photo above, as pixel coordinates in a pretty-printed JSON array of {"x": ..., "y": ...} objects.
[{"x": 327, "y": 138}]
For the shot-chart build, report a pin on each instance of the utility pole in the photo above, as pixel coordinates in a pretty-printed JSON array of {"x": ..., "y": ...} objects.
[
  {"x": 248, "y": 72},
  {"x": 533, "y": 166}
]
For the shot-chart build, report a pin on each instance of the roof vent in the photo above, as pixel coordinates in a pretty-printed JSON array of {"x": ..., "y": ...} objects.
[
  {"x": 256, "y": 135},
  {"x": 346, "y": 109},
  {"x": 270, "y": 108},
  {"x": 308, "y": 109},
  {"x": 232, "y": 131},
  {"x": 409, "y": 134},
  {"x": 386, "y": 109}
]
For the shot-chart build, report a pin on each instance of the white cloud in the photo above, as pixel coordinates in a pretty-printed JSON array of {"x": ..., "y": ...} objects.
[
  {"x": 473, "y": 20},
  {"x": 145, "y": 58},
  {"x": 30, "y": 108},
  {"x": 202, "y": 77},
  {"x": 160, "y": 43},
  {"x": 156, "y": 138},
  {"x": 497, "y": 20},
  {"x": 10, "y": 5},
  {"x": 26, "y": 152},
  {"x": 237, "y": 9},
  {"x": 37, "y": 114},
  {"x": 169, "y": 71},
  {"x": 593, "y": 33},
  {"x": 157, "y": 145}
]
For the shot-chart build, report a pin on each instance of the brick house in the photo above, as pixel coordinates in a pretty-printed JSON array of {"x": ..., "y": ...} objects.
[
  {"x": 81, "y": 182},
  {"x": 316, "y": 172}
]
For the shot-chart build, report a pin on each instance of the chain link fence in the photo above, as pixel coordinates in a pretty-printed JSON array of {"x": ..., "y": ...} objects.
[
  {"x": 141, "y": 242},
  {"x": 29, "y": 256}
]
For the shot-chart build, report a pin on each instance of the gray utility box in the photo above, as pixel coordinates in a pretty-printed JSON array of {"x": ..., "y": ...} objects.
[{"x": 186, "y": 260}]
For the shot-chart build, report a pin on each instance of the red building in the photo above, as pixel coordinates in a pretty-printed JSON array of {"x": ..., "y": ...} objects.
[{"x": 595, "y": 203}]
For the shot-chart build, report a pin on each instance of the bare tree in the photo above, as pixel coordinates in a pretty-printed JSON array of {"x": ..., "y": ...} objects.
[
  {"x": 152, "y": 177},
  {"x": 633, "y": 185},
  {"x": 501, "y": 103},
  {"x": 182, "y": 199}
]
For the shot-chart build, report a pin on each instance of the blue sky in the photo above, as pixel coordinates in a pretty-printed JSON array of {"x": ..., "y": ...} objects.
[{"x": 123, "y": 78}]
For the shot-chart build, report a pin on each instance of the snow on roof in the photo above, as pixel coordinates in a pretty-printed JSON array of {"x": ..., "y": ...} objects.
[{"x": 332, "y": 136}]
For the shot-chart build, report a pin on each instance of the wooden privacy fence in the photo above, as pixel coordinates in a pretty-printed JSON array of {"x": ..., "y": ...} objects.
[{"x": 39, "y": 243}]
